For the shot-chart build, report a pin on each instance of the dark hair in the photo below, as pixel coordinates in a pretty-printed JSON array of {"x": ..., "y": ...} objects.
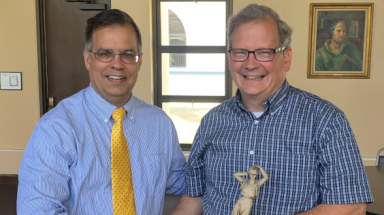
[
  {"x": 109, "y": 18},
  {"x": 259, "y": 12},
  {"x": 333, "y": 26}
]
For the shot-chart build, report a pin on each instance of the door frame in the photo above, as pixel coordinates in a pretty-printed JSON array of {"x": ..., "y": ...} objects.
[
  {"x": 41, "y": 35},
  {"x": 42, "y": 55}
]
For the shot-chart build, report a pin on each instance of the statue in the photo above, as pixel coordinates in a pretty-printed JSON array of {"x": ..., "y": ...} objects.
[{"x": 249, "y": 189}]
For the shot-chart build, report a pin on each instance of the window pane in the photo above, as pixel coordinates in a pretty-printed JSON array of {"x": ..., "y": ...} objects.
[
  {"x": 187, "y": 117},
  {"x": 193, "y": 74},
  {"x": 193, "y": 23}
]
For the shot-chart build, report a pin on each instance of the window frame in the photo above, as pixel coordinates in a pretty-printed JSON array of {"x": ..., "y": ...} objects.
[{"x": 158, "y": 50}]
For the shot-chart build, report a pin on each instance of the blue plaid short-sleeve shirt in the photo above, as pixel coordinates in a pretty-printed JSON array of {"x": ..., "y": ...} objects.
[{"x": 304, "y": 143}]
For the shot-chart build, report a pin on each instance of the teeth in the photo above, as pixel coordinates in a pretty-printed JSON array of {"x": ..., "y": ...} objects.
[
  {"x": 253, "y": 77},
  {"x": 115, "y": 77}
]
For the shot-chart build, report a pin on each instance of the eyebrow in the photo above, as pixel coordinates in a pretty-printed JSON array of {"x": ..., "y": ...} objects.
[
  {"x": 252, "y": 50},
  {"x": 126, "y": 50},
  {"x": 129, "y": 50},
  {"x": 104, "y": 49}
]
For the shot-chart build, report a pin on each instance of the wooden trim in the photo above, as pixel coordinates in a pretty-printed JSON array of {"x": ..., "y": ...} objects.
[
  {"x": 9, "y": 179},
  {"x": 42, "y": 55}
]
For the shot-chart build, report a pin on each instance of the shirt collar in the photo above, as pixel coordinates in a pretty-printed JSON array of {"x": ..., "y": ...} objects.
[
  {"x": 105, "y": 109},
  {"x": 273, "y": 102},
  {"x": 326, "y": 46}
]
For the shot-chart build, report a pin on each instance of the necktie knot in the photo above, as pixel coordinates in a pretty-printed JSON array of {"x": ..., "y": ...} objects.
[{"x": 118, "y": 114}]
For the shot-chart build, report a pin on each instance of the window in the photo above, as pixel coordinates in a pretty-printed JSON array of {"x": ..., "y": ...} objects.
[
  {"x": 176, "y": 38},
  {"x": 191, "y": 75}
]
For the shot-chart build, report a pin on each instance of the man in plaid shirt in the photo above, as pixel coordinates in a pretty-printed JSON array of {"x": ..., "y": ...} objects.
[{"x": 304, "y": 143}]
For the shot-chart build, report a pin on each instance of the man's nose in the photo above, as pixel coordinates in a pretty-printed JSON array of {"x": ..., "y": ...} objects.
[
  {"x": 251, "y": 62},
  {"x": 116, "y": 62}
]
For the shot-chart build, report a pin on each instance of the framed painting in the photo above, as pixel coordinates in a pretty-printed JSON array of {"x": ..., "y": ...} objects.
[
  {"x": 10, "y": 81},
  {"x": 340, "y": 36}
]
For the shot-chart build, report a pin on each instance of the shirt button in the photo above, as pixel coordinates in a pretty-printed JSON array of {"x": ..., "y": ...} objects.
[
  {"x": 105, "y": 120},
  {"x": 251, "y": 152},
  {"x": 255, "y": 122},
  {"x": 272, "y": 113}
]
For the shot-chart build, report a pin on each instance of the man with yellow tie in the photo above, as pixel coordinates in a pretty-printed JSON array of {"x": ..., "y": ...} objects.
[{"x": 102, "y": 150}]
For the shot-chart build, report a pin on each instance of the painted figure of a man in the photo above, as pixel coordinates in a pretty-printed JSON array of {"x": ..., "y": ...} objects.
[{"x": 338, "y": 54}]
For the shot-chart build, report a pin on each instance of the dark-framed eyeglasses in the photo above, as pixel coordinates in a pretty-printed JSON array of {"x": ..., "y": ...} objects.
[
  {"x": 261, "y": 55},
  {"x": 106, "y": 55}
]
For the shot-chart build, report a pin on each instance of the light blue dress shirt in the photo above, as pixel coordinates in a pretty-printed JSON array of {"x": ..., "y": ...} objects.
[{"x": 66, "y": 167}]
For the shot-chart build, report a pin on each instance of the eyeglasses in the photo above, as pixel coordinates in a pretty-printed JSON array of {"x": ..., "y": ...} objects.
[
  {"x": 105, "y": 55},
  {"x": 261, "y": 55}
]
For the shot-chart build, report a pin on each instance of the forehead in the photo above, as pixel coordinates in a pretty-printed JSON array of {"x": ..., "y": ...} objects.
[
  {"x": 119, "y": 37},
  {"x": 256, "y": 34},
  {"x": 340, "y": 25}
]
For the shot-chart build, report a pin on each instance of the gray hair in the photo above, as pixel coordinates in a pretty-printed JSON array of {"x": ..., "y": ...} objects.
[{"x": 259, "y": 12}]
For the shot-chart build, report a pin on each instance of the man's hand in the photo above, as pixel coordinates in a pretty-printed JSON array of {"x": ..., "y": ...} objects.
[
  {"x": 189, "y": 206},
  {"x": 347, "y": 209}
]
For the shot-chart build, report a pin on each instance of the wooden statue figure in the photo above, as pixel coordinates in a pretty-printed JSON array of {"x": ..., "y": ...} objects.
[{"x": 249, "y": 189}]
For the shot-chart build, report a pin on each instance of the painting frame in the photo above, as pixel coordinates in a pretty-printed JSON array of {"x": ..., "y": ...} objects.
[{"x": 322, "y": 63}]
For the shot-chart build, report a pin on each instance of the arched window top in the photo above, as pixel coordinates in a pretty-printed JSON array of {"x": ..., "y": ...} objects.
[{"x": 177, "y": 34}]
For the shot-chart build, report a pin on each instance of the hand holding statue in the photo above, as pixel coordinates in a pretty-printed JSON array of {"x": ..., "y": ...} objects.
[{"x": 249, "y": 189}]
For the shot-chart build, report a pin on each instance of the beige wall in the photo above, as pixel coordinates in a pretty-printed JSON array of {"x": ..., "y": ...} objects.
[
  {"x": 19, "y": 110},
  {"x": 361, "y": 100}
]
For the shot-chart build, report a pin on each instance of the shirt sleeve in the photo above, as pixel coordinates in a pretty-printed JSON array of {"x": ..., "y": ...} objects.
[
  {"x": 195, "y": 171},
  {"x": 176, "y": 177},
  {"x": 342, "y": 176},
  {"x": 44, "y": 172}
]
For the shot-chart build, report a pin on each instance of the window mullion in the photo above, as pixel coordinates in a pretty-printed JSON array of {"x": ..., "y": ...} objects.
[
  {"x": 192, "y": 99},
  {"x": 192, "y": 49}
]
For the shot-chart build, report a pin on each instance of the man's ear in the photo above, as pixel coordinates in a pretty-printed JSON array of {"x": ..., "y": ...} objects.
[
  {"x": 287, "y": 59},
  {"x": 228, "y": 56},
  {"x": 87, "y": 58},
  {"x": 140, "y": 60}
]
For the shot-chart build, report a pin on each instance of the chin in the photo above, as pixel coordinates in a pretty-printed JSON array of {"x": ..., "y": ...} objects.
[
  {"x": 339, "y": 41},
  {"x": 253, "y": 92}
]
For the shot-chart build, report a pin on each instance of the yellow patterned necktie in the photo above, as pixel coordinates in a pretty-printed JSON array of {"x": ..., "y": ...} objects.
[{"x": 122, "y": 186}]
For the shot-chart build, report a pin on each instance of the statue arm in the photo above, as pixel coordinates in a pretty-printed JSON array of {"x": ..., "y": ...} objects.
[
  {"x": 239, "y": 176},
  {"x": 264, "y": 174}
]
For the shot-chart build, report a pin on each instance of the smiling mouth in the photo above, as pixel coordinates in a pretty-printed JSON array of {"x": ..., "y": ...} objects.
[
  {"x": 254, "y": 77},
  {"x": 115, "y": 77}
]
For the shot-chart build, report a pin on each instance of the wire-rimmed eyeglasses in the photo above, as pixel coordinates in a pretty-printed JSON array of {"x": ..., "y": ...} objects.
[
  {"x": 106, "y": 55},
  {"x": 261, "y": 55}
]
